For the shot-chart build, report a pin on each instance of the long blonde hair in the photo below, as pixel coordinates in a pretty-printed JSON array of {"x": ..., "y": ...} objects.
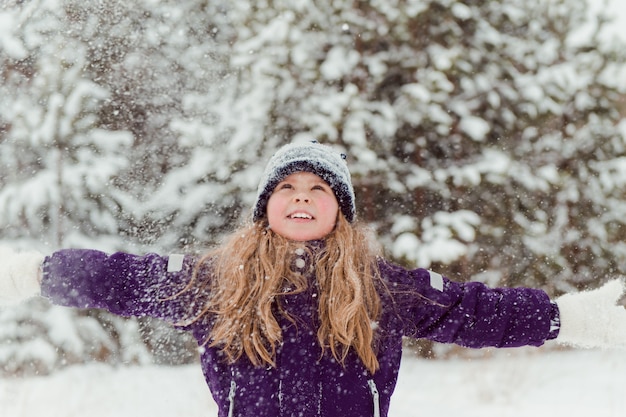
[{"x": 249, "y": 272}]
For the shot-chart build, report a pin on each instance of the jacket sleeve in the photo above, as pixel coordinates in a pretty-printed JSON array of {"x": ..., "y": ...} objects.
[
  {"x": 121, "y": 283},
  {"x": 469, "y": 314}
]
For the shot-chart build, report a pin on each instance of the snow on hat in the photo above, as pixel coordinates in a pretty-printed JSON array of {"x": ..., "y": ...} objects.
[{"x": 313, "y": 157}]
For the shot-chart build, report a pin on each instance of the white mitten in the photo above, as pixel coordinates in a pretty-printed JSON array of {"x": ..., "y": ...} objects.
[
  {"x": 592, "y": 318},
  {"x": 19, "y": 275}
]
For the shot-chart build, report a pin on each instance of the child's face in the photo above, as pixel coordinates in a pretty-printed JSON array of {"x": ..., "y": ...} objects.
[{"x": 302, "y": 207}]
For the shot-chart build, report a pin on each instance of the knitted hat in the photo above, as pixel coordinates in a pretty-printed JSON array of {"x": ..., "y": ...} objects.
[{"x": 313, "y": 157}]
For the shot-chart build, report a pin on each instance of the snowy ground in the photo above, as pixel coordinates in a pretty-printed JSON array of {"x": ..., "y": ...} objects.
[{"x": 509, "y": 384}]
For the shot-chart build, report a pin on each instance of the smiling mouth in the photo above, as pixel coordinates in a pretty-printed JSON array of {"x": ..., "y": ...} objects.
[{"x": 300, "y": 216}]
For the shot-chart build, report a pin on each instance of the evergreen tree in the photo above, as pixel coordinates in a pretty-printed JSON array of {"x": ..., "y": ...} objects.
[
  {"x": 486, "y": 139},
  {"x": 484, "y": 136},
  {"x": 66, "y": 159},
  {"x": 57, "y": 161}
]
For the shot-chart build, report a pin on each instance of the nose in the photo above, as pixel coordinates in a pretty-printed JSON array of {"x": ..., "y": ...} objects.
[{"x": 301, "y": 198}]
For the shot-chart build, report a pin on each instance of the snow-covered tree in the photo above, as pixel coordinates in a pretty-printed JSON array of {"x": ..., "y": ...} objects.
[
  {"x": 486, "y": 138},
  {"x": 57, "y": 162},
  {"x": 64, "y": 175},
  {"x": 476, "y": 130}
]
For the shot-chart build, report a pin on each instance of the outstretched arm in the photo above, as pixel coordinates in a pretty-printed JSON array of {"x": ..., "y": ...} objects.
[
  {"x": 469, "y": 314},
  {"x": 474, "y": 315},
  {"x": 122, "y": 283}
]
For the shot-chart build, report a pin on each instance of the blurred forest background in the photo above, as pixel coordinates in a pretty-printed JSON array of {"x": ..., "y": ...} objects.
[{"x": 487, "y": 139}]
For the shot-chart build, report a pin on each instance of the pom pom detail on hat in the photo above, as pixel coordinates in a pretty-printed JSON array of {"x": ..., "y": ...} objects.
[{"x": 321, "y": 160}]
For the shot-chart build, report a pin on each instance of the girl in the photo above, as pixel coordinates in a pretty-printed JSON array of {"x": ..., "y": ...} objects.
[{"x": 297, "y": 314}]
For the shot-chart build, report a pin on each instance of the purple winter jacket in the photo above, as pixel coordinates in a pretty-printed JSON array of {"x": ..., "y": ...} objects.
[{"x": 419, "y": 304}]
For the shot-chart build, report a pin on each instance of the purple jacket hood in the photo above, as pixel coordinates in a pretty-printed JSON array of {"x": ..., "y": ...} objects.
[{"x": 419, "y": 304}]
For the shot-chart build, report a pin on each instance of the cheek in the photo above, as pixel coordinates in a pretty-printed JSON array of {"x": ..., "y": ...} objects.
[
  {"x": 274, "y": 207},
  {"x": 330, "y": 208}
]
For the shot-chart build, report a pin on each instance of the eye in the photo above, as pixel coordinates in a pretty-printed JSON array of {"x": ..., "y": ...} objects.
[
  {"x": 319, "y": 187},
  {"x": 284, "y": 186}
]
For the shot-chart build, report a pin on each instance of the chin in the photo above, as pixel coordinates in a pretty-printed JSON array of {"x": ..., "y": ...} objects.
[{"x": 301, "y": 237}]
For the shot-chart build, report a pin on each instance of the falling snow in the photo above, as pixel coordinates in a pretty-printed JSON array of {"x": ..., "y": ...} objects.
[{"x": 146, "y": 127}]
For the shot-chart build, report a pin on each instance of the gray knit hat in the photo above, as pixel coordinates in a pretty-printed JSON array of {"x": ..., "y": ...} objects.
[{"x": 312, "y": 157}]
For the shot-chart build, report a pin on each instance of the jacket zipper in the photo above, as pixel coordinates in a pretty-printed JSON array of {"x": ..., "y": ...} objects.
[
  {"x": 375, "y": 397},
  {"x": 231, "y": 398},
  {"x": 319, "y": 399}
]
